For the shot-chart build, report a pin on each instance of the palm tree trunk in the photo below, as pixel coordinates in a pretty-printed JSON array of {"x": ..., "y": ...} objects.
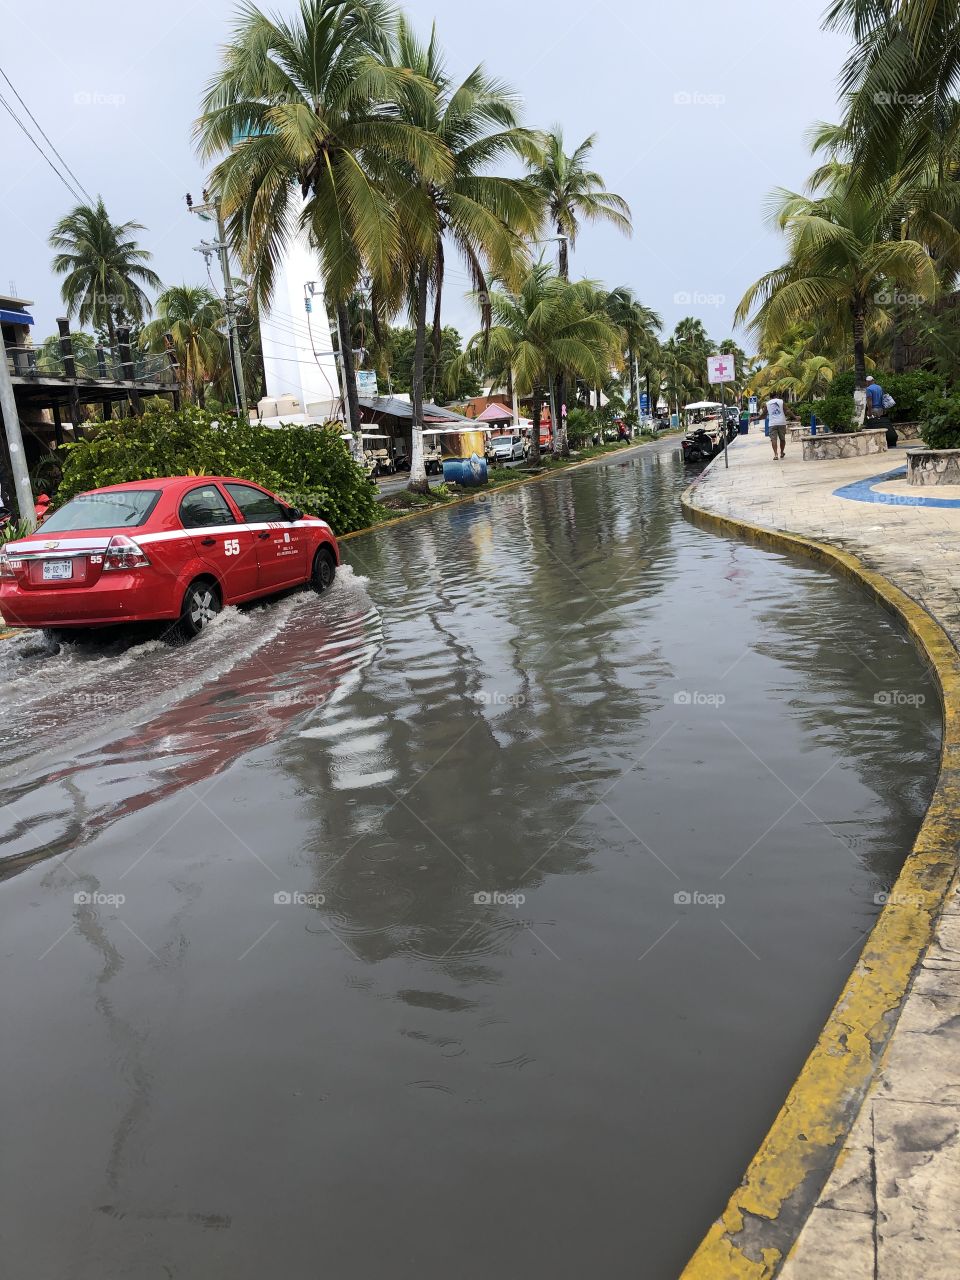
[
  {"x": 859, "y": 354},
  {"x": 536, "y": 412},
  {"x": 345, "y": 334},
  {"x": 899, "y": 354},
  {"x": 418, "y": 474},
  {"x": 634, "y": 405},
  {"x": 564, "y": 257}
]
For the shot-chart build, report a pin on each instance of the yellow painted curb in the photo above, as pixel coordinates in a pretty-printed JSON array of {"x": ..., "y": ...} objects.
[{"x": 763, "y": 1217}]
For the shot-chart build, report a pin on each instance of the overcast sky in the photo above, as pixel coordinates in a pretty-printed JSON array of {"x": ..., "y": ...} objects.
[{"x": 700, "y": 109}]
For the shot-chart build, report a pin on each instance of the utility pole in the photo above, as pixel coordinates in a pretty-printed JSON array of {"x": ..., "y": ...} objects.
[
  {"x": 210, "y": 209},
  {"x": 18, "y": 460}
]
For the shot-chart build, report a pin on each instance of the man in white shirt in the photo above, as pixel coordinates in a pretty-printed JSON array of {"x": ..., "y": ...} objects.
[{"x": 777, "y": 421}]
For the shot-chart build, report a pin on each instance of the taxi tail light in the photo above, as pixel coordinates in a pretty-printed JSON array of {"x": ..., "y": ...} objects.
[
  {"x": 123, "y": 553},
  {"x": 6, "y": 567}
]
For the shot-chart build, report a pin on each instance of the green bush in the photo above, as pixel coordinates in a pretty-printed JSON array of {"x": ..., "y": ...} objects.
[
  {"x": 940, "y": 415},
  {"x": 909, "y": 389},
  {"x": 836, "y": 412},
  {"x": 581, "y": 424},
  {"x": 310, "y": 468}
]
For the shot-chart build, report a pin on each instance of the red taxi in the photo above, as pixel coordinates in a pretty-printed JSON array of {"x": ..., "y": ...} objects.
[{"x": 176, "y": 549}]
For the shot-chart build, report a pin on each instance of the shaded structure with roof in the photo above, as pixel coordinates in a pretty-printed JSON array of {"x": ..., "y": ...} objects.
[{"x": 52, "y": 384}]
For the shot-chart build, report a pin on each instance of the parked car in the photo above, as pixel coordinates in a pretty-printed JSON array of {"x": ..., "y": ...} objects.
[
  {"x": 177, "y": 549},
  {"x": 506, "y": 448}
]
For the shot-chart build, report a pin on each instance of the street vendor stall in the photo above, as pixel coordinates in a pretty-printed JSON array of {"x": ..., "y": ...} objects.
[{"x": 459, "y": 451}]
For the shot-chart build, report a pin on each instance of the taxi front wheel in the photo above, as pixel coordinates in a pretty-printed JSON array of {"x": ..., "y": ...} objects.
[
  {"x": 324, "y": 569},
  {"x": 201, "y": 604}
]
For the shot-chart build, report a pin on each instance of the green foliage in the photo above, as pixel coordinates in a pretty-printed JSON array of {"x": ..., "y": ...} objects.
[
  {"x": 836, "y": 412},
  {"x": 103, "y": 267},
  {"x": 435, "y": 373},
  {"x": 909, "y": 390},
  {"x": 309, "y": 468},
  {"x": 940, "y": 415},
  {"x": 15, "y": 529},
  {"x": 843, "y": 384},
  {"x": 581, "y": 424}
]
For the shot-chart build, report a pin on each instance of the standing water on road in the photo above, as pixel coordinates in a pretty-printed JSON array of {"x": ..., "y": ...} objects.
[{"x": 471, "y": 920}]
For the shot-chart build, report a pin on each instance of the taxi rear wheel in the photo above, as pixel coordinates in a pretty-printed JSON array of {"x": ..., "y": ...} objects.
[
  {"x": 201, "y": 604},
  {"x": 324, "y": 569}
]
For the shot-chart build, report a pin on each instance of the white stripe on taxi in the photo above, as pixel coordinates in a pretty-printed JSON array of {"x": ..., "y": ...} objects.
[{"x": 70, "y": 545}]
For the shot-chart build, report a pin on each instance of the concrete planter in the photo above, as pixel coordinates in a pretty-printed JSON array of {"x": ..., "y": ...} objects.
[
  {"x": 933, "y": 466},
  {"x": 850, "y": 444}
]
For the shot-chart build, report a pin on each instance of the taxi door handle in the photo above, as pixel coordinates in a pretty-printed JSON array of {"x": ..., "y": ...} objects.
[
  {"x": 208, "y": 542},
  {"x": 265, "y": 534}
]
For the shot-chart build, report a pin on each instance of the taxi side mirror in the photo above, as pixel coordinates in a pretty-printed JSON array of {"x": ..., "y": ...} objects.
[{"x": 293, "y": 513}]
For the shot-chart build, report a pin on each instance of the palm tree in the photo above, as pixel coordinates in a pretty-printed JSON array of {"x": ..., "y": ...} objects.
[
  {"x": 484, "y": 216},
  {"x": 300, "y": 114},
  {"x": 193, "y": 317},
  {"x": 572, "y": 194},
  {"x": 638, "y": 325},
  {"x": 545, "y": 327},
  {"x": 842, "y": 259},
  {"x": 899, "y": 79},
  {"x": 103, "y": 268},
  {"x": 790, "y": 369},
  {"x": 50, "y": 357},
  {"x": 676, "y": 375},
  {"x": 687, "y": 353},
  {"x": 917, "y": 183}
]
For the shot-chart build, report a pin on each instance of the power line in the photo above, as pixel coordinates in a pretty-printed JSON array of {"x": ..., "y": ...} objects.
[
  {"x": 16, "y": 119},
  {"x": 44, "y": 136}
]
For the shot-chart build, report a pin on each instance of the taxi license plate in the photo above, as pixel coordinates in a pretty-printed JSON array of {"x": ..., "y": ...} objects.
[{"x": 56, "y": 570}]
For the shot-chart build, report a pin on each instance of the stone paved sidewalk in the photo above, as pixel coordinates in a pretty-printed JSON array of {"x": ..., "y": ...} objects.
[{"x": 891, "y": 1207}]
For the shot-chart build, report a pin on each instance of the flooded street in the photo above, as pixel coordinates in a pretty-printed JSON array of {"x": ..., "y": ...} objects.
[{"x": 471, "y": 920}]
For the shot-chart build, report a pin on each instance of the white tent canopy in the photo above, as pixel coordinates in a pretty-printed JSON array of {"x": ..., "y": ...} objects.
[
  {"x": 454, "y": 431},
  {"x": 703, "y": 404}
]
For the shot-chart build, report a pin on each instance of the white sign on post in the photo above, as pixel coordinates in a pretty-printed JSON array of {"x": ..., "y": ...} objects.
[{"x": 721, "y": 369}]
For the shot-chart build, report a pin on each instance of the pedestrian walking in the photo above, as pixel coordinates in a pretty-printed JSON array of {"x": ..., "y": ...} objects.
[{"x": 777, "y": 420}]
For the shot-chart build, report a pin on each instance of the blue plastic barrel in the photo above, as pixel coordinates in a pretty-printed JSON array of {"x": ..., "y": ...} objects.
[{"x": 465, "y": 471}]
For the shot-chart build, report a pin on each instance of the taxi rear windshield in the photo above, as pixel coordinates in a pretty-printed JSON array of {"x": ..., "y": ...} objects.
[{"x": 118, "y": 510}]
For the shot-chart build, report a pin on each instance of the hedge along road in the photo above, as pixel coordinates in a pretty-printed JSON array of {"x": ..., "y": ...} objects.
[{"x": 474, "y": 919}]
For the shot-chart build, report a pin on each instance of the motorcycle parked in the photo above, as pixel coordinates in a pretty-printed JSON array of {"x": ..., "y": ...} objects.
[{"x": 699, "y": 446}]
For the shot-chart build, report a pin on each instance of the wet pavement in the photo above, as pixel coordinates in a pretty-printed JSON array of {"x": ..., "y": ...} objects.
[{"x": 470, "y": 920}]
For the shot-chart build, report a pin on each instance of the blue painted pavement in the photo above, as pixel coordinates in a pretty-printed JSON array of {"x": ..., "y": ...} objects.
[{"x": 864, "y": 491}]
